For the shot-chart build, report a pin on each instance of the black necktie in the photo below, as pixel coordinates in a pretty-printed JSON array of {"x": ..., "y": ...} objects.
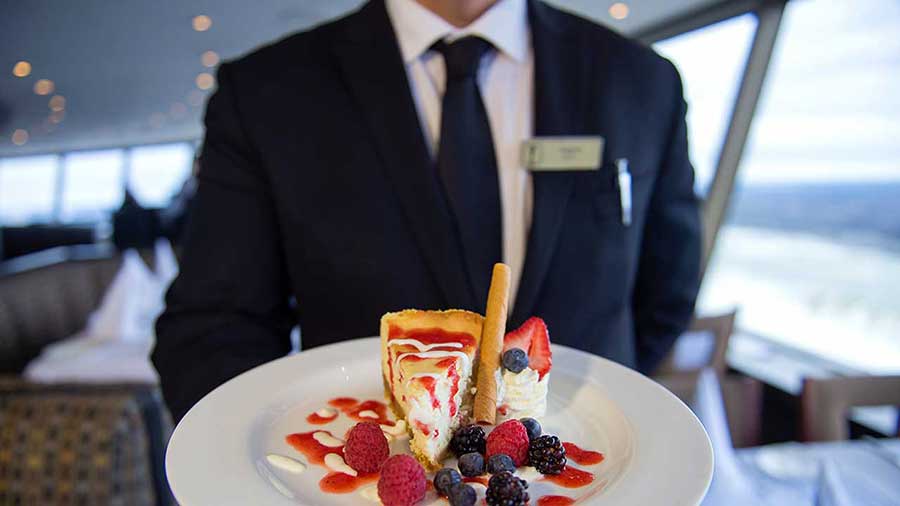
[{"x": 467, "y": 164}]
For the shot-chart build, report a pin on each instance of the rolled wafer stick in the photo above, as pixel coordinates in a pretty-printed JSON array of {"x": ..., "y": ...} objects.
[{"x": 485, "y": 409}]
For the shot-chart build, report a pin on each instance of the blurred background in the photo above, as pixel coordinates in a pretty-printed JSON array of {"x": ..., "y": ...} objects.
[{"x": 794, "y": 121}]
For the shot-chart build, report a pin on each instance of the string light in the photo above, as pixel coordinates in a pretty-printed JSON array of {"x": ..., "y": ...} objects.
[
  {"x": 618, "y": 10},
  {"x": 20, "y": 137},
  {"x": 44, "y": 87},
  {"x": 57, "y": 103},
  {"x": 22, "y": 69},
  {"x": 202, "y": 23},
  {"x": 205, "y": 81},
  {"x": 209, "y": 59}
]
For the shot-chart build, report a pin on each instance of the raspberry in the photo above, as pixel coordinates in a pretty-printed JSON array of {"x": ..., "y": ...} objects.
[
  {"x": 402, "y": 481},
  {"x": 467, "y": 439},
  {"x": 366, "y": 448},
  {"x": 505, "y": 489},
  {"x": 511, "y": 438},
  {"x": 547, "y": 455}
]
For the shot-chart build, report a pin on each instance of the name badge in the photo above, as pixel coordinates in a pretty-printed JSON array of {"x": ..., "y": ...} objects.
[{"x": 562, "y": 153}]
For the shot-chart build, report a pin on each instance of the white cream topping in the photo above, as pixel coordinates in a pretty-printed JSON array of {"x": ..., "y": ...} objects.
[
  {"x": 528, "y": 473},
  {"x": 370, "y": 494},
  {"x": 501, "y": 386},
  {"x": 524, "y": 394},
  {"x": 422, "y": 346},
  {"x": 286, "y": 463},
  {"x": 397, "y": 429},
  {"x": 368, "y": 413},
  {"x": 326, "y": 412},
  {"x": 327, "y": 439},
  {"x": 336, "y": 463}
]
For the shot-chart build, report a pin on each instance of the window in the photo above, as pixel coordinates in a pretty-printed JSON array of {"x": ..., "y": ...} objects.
[
  {"x": 711, "y": 62},
  {"x": 27, "y": 187},
  {"x": 157, "y": 172},
  {"x": 92, "y": 185},
  {"x": 810, "y": 253}
]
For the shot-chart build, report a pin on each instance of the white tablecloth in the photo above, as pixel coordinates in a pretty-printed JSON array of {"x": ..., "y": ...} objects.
[{"x": 863, "y": 472}]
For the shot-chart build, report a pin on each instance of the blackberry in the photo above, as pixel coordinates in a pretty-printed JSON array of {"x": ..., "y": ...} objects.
[
  {"x": 505, "y": 489},
  {"x": 446, "y": 478},
  {"x": 467, "y": 439},
  {"x": 500, "y": 462},
  {"x": 547, "y": 455},
  {"x": 532, "y": 427}
]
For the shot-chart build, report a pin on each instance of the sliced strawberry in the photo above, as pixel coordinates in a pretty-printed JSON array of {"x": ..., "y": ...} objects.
[
  {"x": 540, "y": 358},
  {"x": 533, "y": 338},
  {"x": 521, "y": 337}
]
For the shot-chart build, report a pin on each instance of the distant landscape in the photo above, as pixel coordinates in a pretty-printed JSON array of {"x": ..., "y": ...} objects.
[
  {"x": 866, "y": 214},
  {"x": 816, "y": 267}
]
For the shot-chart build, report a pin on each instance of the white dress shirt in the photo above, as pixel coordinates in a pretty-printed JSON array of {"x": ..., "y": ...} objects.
[{"x": 505, "y": 79}]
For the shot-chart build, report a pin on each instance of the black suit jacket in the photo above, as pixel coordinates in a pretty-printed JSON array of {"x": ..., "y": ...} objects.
[{"x": 318, "y": 203}]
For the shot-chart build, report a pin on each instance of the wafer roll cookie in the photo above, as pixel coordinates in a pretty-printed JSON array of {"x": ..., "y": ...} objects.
[{"x": 485, "y": 409}]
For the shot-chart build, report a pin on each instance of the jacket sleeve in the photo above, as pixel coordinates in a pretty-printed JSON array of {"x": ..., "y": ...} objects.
[
  {"x": 669, "y": 265},
  {"x": 228, "y": 309}
]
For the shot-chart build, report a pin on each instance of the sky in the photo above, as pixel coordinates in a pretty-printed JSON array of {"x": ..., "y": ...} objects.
[{"x": 830, "y": 109}]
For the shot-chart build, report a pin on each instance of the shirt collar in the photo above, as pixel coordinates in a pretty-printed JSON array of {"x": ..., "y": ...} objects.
[{"x": 505, "y": 25}]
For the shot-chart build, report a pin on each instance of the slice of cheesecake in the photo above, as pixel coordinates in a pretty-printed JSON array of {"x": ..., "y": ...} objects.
[{"x": 427, "y": 360}]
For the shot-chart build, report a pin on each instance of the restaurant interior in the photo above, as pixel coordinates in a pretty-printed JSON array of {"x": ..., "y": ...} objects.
[{"x": 792, "y": 361}]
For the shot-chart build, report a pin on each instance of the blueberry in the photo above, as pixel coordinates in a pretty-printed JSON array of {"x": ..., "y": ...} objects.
[
  {"x": 471, "y": 464},
  {"x": 444, "y": 479},
  {"x": 461, "y": 494},
  {"x": 532, "y": 427},
  {"x": 500, "y": 462},
  {"x": 515, "y": 360}
]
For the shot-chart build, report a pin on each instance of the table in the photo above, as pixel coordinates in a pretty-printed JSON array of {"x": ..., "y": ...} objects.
[{"x": 789, "y": 473}]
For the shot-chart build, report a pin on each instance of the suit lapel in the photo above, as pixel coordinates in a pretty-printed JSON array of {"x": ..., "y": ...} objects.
[
  {"x": 374, "y": 71},
  {"x": 560, "y": 85}
]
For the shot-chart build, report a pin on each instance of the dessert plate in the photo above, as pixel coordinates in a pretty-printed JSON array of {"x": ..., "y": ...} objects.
[{"x": 655, "y": 450}]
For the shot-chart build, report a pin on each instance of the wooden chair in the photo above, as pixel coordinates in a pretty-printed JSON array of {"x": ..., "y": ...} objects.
[
  {"x": 826, "y": 402},
  {"x": 721, "y": 328},
  {"x": 742, "y": 396}
]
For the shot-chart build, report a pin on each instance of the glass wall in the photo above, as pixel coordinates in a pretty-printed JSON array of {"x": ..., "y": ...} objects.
[
  {"x": 810, "y": 253},
  {"x": 28, "y": 189},
  {"x": 711, "y": 61},
  {"x": 87, "y": 186}
]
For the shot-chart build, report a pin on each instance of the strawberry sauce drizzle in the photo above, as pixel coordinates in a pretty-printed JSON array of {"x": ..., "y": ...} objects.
[
  {"x": 352, "y": 408},
  {"x": 316, "y": 419},
  {"x": 314, "y": 451},
  {"x": 453, "y": 374},
  {"x": 581, "y": 456},
  {"x": 571, "y": 477},
  {"x": 340, "y": 483},
  {"x": 555, "y": 500},
  {"x": 343, "y": 402},
  {"x": 431, "y": 336}
]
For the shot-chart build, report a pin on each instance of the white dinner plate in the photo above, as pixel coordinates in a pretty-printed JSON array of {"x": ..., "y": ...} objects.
[{"x": 656, "y": 452}]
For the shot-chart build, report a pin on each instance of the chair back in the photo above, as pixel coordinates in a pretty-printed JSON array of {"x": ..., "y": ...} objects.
[
  {"x": 719, "y": 327},
  {"x": 825, "y": 403},
  {"x": 42, "y": 302}
]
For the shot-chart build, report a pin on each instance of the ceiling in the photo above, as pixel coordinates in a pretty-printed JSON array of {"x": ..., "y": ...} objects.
[{"x": 128, "y": 69}]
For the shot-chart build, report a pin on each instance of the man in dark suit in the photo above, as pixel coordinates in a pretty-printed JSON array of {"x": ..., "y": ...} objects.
[{"x": 373, "y": 164}]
